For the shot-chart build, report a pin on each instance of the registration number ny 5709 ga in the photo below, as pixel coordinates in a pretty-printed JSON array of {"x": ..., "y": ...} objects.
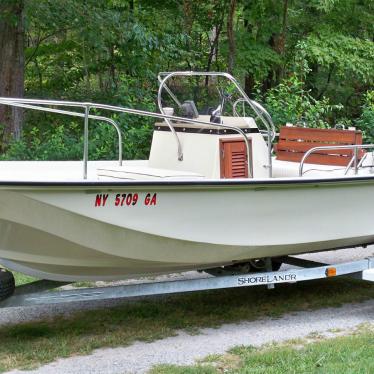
[{"x": 125, "y": 199}]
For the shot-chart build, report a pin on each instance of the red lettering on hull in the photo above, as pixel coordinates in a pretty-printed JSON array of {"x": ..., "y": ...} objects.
[
  {"x": 101, "y": 199},
  {"x": 150, "y": 200},
  {"x": 125, "y": 199}
]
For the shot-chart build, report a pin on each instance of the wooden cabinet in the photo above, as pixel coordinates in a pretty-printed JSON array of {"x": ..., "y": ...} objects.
[{"x": 233, "y": 158}]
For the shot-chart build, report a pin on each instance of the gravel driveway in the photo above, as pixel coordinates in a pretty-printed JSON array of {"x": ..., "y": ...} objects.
[{"x": 184, "y": 349}]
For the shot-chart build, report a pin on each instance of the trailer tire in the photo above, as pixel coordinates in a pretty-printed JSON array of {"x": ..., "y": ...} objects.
[
  {"x": 253, "y": 266},
  {"x": 7, "y": 284},
  {"x": 259, "y": 266}
]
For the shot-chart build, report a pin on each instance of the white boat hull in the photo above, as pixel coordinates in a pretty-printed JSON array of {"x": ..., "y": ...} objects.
[{"x": 57, "y": 232}]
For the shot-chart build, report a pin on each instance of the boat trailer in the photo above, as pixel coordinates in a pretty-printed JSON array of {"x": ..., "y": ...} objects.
[{"x": 38, "y": 293}]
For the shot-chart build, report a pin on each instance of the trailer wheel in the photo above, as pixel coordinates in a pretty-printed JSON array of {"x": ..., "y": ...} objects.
[
  {"x": 252, "y": 266},
  {"x": 7, "y": 284},
  {"x": 259, "y": 265}
]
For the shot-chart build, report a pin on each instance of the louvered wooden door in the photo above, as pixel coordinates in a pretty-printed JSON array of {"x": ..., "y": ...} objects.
[{"x": 233, "y": 154}]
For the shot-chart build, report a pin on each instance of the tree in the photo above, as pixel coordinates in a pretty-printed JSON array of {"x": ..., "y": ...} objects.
[
  {"x": 231, "y": 36},
  {"x": 11, "y": 65},
  {"x": 111, "y": 51}
]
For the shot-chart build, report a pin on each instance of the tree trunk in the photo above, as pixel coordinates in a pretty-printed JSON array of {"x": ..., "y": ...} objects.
[
  {"x": 213, "y": 49},
  {"x": 230, "y": 36},
  {"x": 249, "y": 84},
  {"x": 249, "y": 78},
  {"x": 278, "y": 43},
  {"x": 282, "y": 41},
  {"x": 11, "y": 65}
]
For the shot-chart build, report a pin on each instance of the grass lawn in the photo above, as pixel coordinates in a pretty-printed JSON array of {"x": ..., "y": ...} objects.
[
  {"x": 27, "y": 345},
  {"x": 349, "y": 354},
  {"x": 22, "y": 278}
]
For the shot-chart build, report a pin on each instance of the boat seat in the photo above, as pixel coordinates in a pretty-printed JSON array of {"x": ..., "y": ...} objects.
[
  {"x": 294, "y": 142},
  {"x": 143, "y": 173},
  {"x": 286, "y": 169}
]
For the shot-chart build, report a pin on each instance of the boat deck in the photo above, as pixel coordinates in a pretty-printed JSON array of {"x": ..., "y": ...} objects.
[{"x": 71, "y": 171}]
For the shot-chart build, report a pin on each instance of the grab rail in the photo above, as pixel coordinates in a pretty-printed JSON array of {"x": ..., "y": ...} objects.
[
  {"x": 354, "y": 147},
  {"x": 240, "y": 100},
  {"x": 255, "y": 106},
  {"x": 261, "y": 108},
  {"x": 27, "y": 103},
  {"x": 75, "y": 114}
]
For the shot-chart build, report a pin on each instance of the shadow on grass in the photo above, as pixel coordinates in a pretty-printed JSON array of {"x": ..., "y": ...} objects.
[{"x": 29, "y": 344}]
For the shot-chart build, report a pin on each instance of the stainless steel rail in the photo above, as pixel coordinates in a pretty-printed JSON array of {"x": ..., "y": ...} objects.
[
  {"x": 261, "y": 108},
  {"x": 255, "y": 106},
  {"x": 240, "y": 100},
  {"x": 88, "y": 106},
  {"x": 354, "y": 147},
  {"x": 75, "y": 114}
]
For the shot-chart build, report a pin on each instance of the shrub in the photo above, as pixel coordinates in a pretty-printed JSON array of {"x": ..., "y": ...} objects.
[
  {"x": 66, "y": 143},
  {"x": 366, "y": 121},
  {"x": 61, "y": 137},
  {"x": 290, "y": 102}
]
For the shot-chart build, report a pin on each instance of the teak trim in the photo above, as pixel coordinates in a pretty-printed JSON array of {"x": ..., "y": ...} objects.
[{"x": 222, "y": 151}]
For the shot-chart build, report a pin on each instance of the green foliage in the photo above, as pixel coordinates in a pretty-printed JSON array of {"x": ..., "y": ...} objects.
[
  {"x": 307, "y": 60},
  {"x": 349, "y": 56},
  {"x": 290, "y": 102},
  {"x": 366, "y": 120},
  {"x": 66, "y": 143},
  {"x": 138, "y": 142},
  {"x": 255, "y": 58}
]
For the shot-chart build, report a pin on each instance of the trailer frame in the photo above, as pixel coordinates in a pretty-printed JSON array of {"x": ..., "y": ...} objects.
[{"x": 38, "y": 293}]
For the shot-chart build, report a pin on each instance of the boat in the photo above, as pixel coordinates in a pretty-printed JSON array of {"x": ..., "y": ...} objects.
[{"x": 217, "y": 192}]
